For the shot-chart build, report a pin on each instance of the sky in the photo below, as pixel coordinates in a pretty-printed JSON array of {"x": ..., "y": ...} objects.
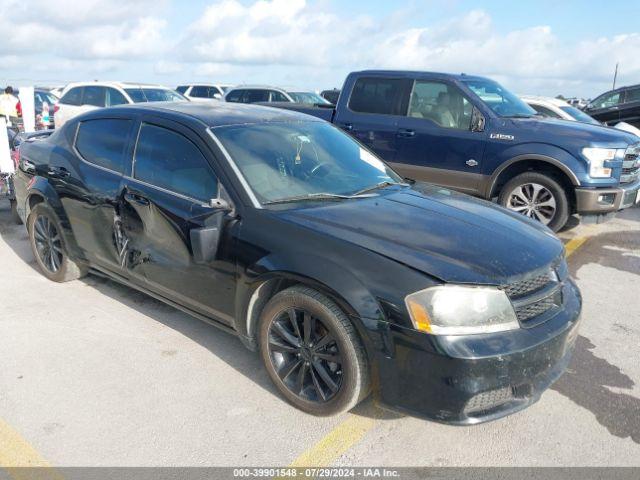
[{"x": 539, "y": 47}]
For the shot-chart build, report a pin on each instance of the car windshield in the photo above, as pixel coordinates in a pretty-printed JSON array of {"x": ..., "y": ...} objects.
[
  {"x": 500, "y": 100},
  {"x": 310, "y": 98},
  {"x": 579, "y": 115},
  {"x": 141, "y": 95},
  {"x": 302, "y": 160}
]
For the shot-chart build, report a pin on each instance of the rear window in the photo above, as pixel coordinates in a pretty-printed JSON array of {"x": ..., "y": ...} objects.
[
  {"x": 72, "y": 97},
  {"x": 102, "y": 142},
  {"x": 142, "y": 95},
  {"x": 386, "y": 96},
  {"x": 94, "y": 96}
]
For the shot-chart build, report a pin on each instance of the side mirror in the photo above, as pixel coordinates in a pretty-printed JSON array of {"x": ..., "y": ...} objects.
[
  {"x": 477, "y": 120},
  {"x": 217, "y": 96}
]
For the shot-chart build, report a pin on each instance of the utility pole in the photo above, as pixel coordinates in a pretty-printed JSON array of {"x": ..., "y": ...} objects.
[{"x": 615, "y": 76}]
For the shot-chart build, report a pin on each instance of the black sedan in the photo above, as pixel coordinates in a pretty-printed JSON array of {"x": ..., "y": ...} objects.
[{"x": 284, "y": 230}]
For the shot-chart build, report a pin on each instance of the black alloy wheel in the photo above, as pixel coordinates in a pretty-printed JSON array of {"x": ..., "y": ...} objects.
[
  {"x": 48, "y": 243},
  {"x": 305, "y": 355}
]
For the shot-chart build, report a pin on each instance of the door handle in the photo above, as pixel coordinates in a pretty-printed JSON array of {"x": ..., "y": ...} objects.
[
  {"x": 134, "y": 198},
  {"x": 347, "y": 126},
  {"x": 406, "y": 133},
  {"x": 58, "y": 172}
]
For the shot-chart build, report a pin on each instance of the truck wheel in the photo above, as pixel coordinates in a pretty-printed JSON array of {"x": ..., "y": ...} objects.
[
  {"x": 15, "y": 218},
  {"x": 312, "y": 352},
  {"x": 537, "y": 196},
  {"x": 47, "y": 245}
]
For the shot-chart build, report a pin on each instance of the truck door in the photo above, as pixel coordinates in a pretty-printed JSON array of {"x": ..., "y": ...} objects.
[
  {"x": 375, "y": 107},
  {"x": 169, "y": 222},
  {"x": 435, "y": 142}
]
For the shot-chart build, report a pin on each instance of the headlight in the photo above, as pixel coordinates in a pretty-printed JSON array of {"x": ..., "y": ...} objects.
[
  {"x": 458, "y": 310},
  {"x": 597, "y": 156}
]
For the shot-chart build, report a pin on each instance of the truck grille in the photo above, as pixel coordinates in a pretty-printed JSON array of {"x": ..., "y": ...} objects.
[
  {"x": 631, "y": 165},
  {"x": 537, "y": 294}
]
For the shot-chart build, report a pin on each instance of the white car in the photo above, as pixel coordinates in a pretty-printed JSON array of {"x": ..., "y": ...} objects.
[
  {"x": 81, "y": 97},
  {"x": 556, "y": 108},
  {"x": 264, "y": 93},
  {"x": 203, "y": 92}
]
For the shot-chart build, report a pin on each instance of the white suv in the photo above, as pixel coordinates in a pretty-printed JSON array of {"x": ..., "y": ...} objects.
[
  {"x": 261, "y": 94},
  {"x": 203, "y": 92},
  {"x": 78, "y": 98}
]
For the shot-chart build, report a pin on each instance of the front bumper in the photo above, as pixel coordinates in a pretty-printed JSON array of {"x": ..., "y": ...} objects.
[
  {"x": 476, "y": 378},
  {"x": 605, "y": 200}
]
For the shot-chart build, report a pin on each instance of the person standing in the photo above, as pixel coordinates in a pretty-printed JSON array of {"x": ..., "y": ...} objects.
[{"x": 9, "y": 105}]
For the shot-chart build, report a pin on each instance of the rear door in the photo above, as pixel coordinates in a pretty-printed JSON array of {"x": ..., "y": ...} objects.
[
  {"x": 372, "y": 115},
  {"x": 630, "y": 108},
  {"x": 606, "y": 108},
  {"x": 165, "y": 208},
  {"x": 435, "y": 142},
  {"x": 88, "y": 181}
]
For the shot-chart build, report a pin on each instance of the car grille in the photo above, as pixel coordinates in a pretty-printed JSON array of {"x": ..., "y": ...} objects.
[
  {"x": 631, "y": 165},
  {"x": 534, "y": 296},
  {"x": 487, "y": 400}
]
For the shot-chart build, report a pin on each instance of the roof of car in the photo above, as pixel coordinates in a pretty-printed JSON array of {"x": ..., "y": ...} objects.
[
  {"x": 223, "y": 114},
  {"x": 122, "y": 85},
  {"x": 417, "y": 73},
  {"x": 269, "y": 87},
  {"x": 542, "y": 100}
]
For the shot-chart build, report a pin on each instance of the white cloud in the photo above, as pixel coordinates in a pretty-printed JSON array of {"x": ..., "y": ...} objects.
[{"x": 294, "y": 42}]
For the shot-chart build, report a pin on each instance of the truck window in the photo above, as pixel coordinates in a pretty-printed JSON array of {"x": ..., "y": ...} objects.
[
  {"x": 385, "y": 96},
  {"x": 441, "y": 103},
  {"x": 607, "y": 100}
]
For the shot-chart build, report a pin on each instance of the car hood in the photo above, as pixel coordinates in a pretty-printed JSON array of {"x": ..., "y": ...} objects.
[
  {"x": 448, "y": 235},
  {"x": 583, "y": 133}
]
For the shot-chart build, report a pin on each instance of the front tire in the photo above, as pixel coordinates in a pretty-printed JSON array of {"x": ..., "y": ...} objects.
[
  {"x": 537, "y": 196},
  {"x": 312, "y": 352},
  {"x": 48, "y": 247}
]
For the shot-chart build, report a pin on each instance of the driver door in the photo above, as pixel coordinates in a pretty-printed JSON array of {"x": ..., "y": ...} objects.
[
  {"x": 434, "y": 140},
  {"x": 170, "y": 225}
]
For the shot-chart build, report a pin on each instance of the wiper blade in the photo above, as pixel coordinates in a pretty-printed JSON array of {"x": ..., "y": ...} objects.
[
  {"x": 310, "y": 196},
  {"x": 519, "y": 115},
  {"x": 377, "y": 186}
]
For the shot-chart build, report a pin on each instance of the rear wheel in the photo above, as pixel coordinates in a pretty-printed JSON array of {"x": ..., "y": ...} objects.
[
  {"x": 48, "y": 247},
  {"x": 537, "y": 196},
  {"x": 312, "y": 352}
]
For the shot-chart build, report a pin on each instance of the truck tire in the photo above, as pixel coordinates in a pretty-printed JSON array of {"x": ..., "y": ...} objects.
[
  {"x": 312, "y": 352},
  {"x": 15, "y": 218},
  {"x": 539, "y": 196},
  {"x": 48, "y": 247}
]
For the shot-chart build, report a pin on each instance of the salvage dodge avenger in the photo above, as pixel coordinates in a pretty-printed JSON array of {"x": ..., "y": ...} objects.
[{"x": 284, "y": 230}]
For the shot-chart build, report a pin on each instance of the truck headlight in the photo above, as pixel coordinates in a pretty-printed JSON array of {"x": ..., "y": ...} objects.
[
  {"x": 461, "y": 310},
  {"x": 597, "y": 157}
]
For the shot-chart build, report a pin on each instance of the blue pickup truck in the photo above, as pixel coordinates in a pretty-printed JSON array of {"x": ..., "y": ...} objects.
[{"x": 470, "y": 134}]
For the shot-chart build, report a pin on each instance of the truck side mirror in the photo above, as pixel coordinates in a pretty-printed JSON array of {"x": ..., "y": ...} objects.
[{"x": 477, "y": 120}]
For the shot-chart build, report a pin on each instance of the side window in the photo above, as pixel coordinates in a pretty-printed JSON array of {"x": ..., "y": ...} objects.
[
  {"x": 255, "y": 95},
  {"x": 386, "y": 96},
  {"x": 633, "y": 95},
  {"x": 114, "y": 97},
  {"x": 199, "y": 91},
  {"x": 72, "y": 97},
  {"x": 94, "y": 95},
  {"x": 103, "y": 142},
  {"x": 278, "y": 97},
  {"x": 545, "y": 111},
  {"x": 169, "y": 160},
  {"x": 441, "y": 103},
  {"x": 607, "y": 100},
  {"x": 234, "y": 96},
  {"x": 182, "y": 89}
]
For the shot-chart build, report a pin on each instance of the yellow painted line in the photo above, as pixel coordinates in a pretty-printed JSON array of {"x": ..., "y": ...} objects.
[
  {"x": 15, "y": 452},
  {"x": 574, "y": 244},
  {"x": 347, "y": 434}
]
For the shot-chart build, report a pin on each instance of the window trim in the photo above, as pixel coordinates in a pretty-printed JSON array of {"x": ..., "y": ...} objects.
[
  {"x": 200, "y": 202},
  {"x": 77, "y": 152}
]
